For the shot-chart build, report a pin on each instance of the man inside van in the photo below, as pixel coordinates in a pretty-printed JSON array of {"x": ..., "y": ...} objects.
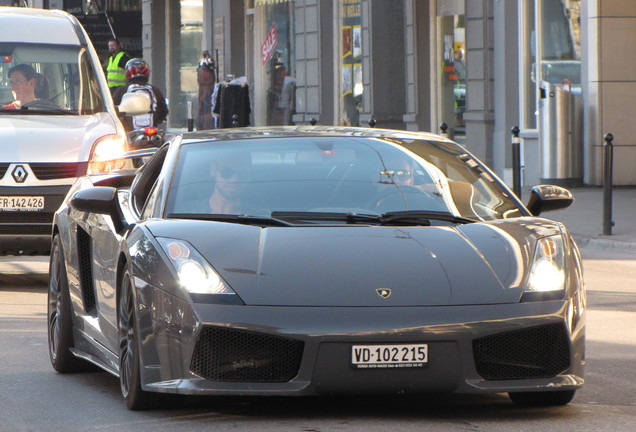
[
  {"x": 27, "y": 86},
  {"x": 116, "y": 69}
]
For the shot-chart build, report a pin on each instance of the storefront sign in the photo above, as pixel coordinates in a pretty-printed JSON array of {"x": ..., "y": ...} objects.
[{"x": 269, "y": 44}]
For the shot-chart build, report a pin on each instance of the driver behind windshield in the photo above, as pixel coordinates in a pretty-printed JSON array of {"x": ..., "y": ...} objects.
[{"x": 26, "y": 85}]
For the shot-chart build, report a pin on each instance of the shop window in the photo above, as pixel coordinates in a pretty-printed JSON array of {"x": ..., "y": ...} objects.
[
  {"x": 550, "y": 32},
  {"x": 277, "y": 58},
  {"x": 560, "y": 43},
  {"x": 452, "y": 81},
  {"x": 528, "y": 112},
  {"x": 351, "y": 87}
]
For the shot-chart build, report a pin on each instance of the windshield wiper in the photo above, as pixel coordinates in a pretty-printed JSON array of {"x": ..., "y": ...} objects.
[
  {"x": 289, "y": 218},
  {"x": 48, "y": 110},
  {"x": 413, "y": 217},
  {"x": 233, "y": 218},
  {"x": 326, "y": 216},
  {"x": 420, "y": 216},
  {"x": 38, "y": 110}
]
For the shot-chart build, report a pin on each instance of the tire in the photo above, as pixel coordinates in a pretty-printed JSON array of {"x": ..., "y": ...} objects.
[
  {"x": 542, "y": 399},
  {"x": 60, "y": 320},
  {"x": 129, "y": 358}
]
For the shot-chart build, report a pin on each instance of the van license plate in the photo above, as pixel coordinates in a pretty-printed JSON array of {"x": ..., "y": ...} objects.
[
  {"x": 21, "y": 203},
  {"x": 389, "y": 356}
]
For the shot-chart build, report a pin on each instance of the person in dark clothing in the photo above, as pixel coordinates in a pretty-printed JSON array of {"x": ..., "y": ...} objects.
[
  {"x": 137, "y": 75},
  {"x": 206, "y": 77}
]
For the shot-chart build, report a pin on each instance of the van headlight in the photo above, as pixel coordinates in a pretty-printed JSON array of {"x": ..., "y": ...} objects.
[
  {"x": 195, "y": 274},
  {"x": 107, "y": 154},
  {"x": 547, "y": 270}
]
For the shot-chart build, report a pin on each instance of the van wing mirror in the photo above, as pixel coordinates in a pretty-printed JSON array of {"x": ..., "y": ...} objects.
[{"x": 133, "y": 104}]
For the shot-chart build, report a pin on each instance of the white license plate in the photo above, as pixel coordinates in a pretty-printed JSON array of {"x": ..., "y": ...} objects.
[
  {"x": 389, "y": 356},
  {"x": 21, "y": 203}
]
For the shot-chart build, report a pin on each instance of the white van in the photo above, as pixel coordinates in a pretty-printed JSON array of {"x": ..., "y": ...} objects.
[{"x": 68, "y": 131}]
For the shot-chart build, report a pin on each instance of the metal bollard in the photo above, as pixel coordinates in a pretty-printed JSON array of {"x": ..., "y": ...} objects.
[
  {"x": 516, "y": 161},
  {"x": 190, "y": 118},
  {"x": 372, "y": 122},
  {"x": 608, "y": 175},
  {"x": 444, "y": 130}
]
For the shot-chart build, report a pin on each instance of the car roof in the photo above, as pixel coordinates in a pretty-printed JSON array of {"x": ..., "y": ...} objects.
[
  {"x": 309, "y": 131},
  {"x": 27, "y": 25}
]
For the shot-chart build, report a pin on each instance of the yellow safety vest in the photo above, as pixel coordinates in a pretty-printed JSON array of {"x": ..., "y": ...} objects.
[{"x": 116, "y": 76}]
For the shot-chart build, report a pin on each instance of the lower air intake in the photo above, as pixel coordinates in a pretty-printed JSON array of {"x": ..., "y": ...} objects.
[
  {"x": 223, "y": 354},
  {"x": 536, "y": 352}
]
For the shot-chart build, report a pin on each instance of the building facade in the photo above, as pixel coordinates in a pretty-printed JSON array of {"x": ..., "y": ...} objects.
[{"x": 478, "y": 66}]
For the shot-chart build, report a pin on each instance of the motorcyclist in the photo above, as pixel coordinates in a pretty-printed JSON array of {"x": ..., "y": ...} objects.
[{"x": 137, "y": 75}]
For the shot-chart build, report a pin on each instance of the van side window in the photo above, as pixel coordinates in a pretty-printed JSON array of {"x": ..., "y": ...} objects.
[{"x": 91, "y": 98}]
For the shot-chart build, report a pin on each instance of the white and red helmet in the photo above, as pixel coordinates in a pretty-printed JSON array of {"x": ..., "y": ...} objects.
[{"x": 137, "y": 68}]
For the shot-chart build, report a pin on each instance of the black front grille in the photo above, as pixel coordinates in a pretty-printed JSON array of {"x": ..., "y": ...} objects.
[
  {"x": 22, "y": 229},
  {"x": 22, "y": 218},
  {"x": 223, "y": 354},
  {"x": 58, "y": 170},
  {"x": 3, "y": 169},
  {"x": 536, "y": 352}
]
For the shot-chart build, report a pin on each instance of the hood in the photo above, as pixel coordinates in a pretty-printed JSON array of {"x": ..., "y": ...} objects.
[
  {"x": 51, "y": 138},
  {"x": 480, "y": 263}
]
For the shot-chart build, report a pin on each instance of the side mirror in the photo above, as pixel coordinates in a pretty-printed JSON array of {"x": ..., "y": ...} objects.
[
  {"x": 133, "y": 104},
  {"x": 99, "y": 200},
  {"x": 545, "y": 198}
]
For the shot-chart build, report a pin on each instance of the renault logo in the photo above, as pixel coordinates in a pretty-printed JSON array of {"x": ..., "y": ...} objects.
[
  {"x": 384, "y": 292},
  {"x": 19, "y": 174}
]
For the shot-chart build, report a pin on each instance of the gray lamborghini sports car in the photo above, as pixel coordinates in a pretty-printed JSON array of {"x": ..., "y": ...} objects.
[{"x": 314, "y": 261}]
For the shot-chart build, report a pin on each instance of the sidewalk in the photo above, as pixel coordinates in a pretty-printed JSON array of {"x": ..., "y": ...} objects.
[{"x": 584, "y": 219}]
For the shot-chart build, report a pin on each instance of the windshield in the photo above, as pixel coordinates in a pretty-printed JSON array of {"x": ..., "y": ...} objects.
[
  {"x": 47, "y": 79},
  {"x": 333, "y": 175}
]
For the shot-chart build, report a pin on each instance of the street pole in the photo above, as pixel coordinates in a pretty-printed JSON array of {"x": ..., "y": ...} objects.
[
  {"x": 190, "y": 117},
  {"x": 516, "y": 162},
  {"x": 443, "y": 130},
  {"x": 608, "y": 156}
]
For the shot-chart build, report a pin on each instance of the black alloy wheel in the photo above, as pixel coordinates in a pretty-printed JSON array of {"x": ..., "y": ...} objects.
[
  {"x": 60, "y": 322},
  {"x": 129, "y": 361}
]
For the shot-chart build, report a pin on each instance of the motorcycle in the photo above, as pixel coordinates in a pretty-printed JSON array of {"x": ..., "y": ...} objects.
[{"x": 145, "y": 137}]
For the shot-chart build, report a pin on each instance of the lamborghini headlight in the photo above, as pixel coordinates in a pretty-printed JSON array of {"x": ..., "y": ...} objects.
[
  {"x": 547, "y": 271},
  {"x": 195, "y": 274},
  {"x": 107, "y": 154}
]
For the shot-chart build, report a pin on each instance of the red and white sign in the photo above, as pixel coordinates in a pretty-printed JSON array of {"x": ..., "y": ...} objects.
[{"x": 269, "y": 44}]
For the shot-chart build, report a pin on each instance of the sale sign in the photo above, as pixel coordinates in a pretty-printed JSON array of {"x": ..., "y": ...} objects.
[{"x": 269, "y": 44}]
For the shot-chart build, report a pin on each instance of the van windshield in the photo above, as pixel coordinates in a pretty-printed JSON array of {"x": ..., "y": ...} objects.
[{"x": 47, "y": 79}]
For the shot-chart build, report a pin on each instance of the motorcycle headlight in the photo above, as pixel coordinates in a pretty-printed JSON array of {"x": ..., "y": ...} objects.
[
  {"x": 195, "y": 274},
  {"x": 547, "y": 271},
  {"x": 106, "y": 154}
]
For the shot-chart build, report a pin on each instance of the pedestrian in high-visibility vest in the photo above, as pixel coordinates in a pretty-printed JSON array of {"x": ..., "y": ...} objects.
[{"x": 116, "y": 69}]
